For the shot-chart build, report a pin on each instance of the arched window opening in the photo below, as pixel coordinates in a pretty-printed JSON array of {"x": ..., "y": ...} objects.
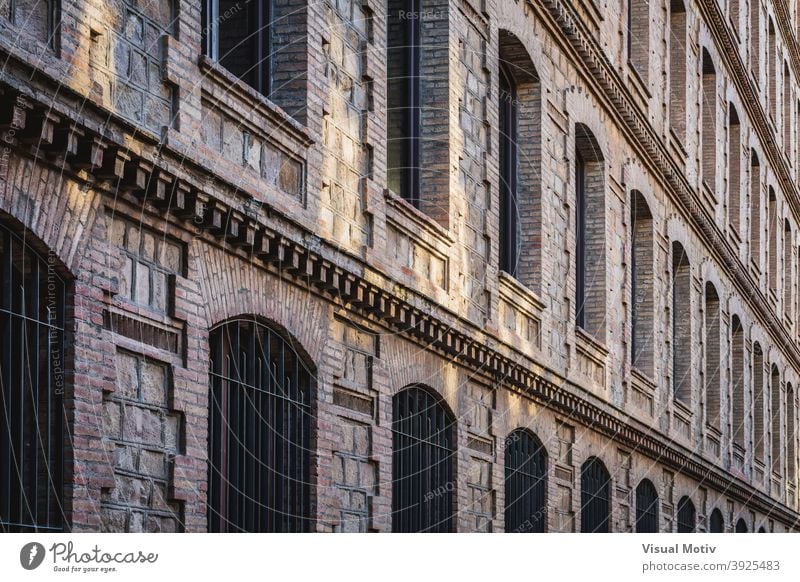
[
  {"x": 681, "y": 325},
  {"x": 639, "y": 37},
  {"x": 775, "y": 420},
  {"x": 646, "y": 507},
  {"x": 758, "y": 402},
  {"x": 595, "y": 497},
  {"x": 716, "y": 523},
  {"x": 755, "y": 211},
  {"x": 677, "y": 69},
  {"x": 786, "y": 121},
  {"x": 772, "y": 231},
  {"x": 686, "y": 516},
  {"x": 708, "y": 124},
  {"x": 791, "y": 436},
  {"x": 519, "y": 108},
  {"x": 772, "y": 70},
  {"x": 788, "y": 256},
  {"x": 260, "y": 430},
  {"x": 526, "y": 483},
  {"x": 423, "y": 447},
  {"x": 734, "y": 171},
  {"x": 741, "y": 526},
  {"x": 590, "y": 299},
  {"x": 712, "y": 361},
  {"x": 642, "y": 287},
  {"x": 738, "y": 364}
]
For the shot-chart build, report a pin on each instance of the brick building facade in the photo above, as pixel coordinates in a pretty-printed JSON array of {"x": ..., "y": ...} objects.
[{"x": 483, "y": 265}]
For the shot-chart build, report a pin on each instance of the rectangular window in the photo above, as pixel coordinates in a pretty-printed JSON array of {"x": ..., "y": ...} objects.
[
  {"x": 237, "y": 35},
  {"x": 37, "y": 17}
]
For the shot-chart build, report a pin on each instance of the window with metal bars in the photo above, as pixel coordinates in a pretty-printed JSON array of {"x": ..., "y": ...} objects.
[
  {"x": 260, "y": 435},
  {"x": 646, "y": 507},
  {"x": 686, "y": 515},
  {"x": 717, "y": 522},
  {"x": 423, "y": 446},
  {"x": 238, "y": 35},
  {"x": 526, "y": 483},
  {"x": 32, "y": 299},
  {"x": 595, "y": 497}
]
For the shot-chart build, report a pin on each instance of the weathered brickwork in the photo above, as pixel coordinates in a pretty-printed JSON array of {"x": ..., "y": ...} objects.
[{"x": 174, "y": 198}]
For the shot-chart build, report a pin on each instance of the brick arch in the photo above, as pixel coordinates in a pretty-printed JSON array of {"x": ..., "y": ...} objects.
[{"x": 32, "y": 240}]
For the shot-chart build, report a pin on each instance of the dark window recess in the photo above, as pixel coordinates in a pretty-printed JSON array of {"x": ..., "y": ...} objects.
[
  {"x": 32, "y": 298},
  {"x": 423, "y": 483},
  {"x": 403, "y": 84},
  {"x": 595, "y": 497},
  {"x": 509, "y": 238},
  {"x": 686, "y": 515},
  {"x": 526, "y": 483},
  {"x": 717, "y": 522},
  {"x": 580, "y": 241},
  {"x": 259, "y": 445},
  {"x": 741, "y": 526},
  {"x": 238, "y": 35},
  {"x": 646, "y": 507}
]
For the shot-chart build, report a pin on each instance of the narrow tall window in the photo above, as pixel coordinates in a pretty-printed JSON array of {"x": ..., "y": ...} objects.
[
  {"x": 509, "y": 237},
  {"x": 712, "y": 360},
  {"x": 677, "y": 69},
  {"x": 772, "y": 71},
  {"x": 646, "y": 507},
  {"x": 738, "y": 386},
  {"x": 775, "y": 420},
  {"x": 403, "y": 95},
  {"x": 758, "y": 402},
  {"x": 755, "y": 39},
  {"x": 708, "y": 124},
  {"x": 788, "y": 256},
  {"x": 791, "y": 436},
  {"x": 259, "y": 445},
  {"x": 526, "y": 483},
  {"x": 32, "y": 303},
  {"x": 639, "y": 37},
  {"x": 590, "y": 239},
  {"x": 595, "y": 497},
  {"x": 734, "y": 15},
  {"x": 687, "y": 520},
  {"x": 734, "y": 171},
  {"x": 755, "y": 210},
  {"x": 238, "y": 36},
  {"x": 786, "y": 120},
  {"x": 716, "y": 522},
  {"x": 423, "y": 447},
  {"x": 772, "y": 237},
  {"x": 642, "y": 292},
  {"x": 681, "y": 325}
]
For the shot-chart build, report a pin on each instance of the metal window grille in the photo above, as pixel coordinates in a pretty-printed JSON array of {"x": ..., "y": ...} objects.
[
  {"x": 526, "y": 483},
  {"x": 646, "y": 507},
  {"x": 32, "y": 298},
  {"x": 717, "y": 522},
  {"x": 686, "y": 515},
  {"x": 259, "y": 445},
  {"x": 595, "y": 497},
  {"x": 423, "y": 484}
]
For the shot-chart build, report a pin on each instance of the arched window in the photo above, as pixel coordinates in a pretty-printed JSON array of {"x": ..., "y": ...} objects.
[
  {"x": 762, "y": 530},
  {"x": 642, "y": 294},
  {"x": 677, "y": 69},
  {"x": 734, "y": 170},
  {"x": 32, "y": 303},
  {"x": 717, "y": 522},
  {"x": 686, "y": 516},
  {"x": 526, "y": 483},
  {"x": 708, "y": 123},
  {"x": 519, "y": 109},
  {"x": 772, "y": 232},
  {"x": 259, "y": 445},
  {"x": 755, "y": 210},
  {"x": 741, "y": 526},
  {"x": 791, "y": 436},
  {"x": 646, "y": 507},
  {"x": 788, "y": 259},
  {"x": 590, "y": 253},
  {"x": 738, "y": 364},
  {"x": 423, "y": 446},
  {"x": 786, "y": 120},
  {"x": 772, "y": 69},
  {"x": 639, "y": 37},
  {"x": 758, "y": 402},
  {"x": 681, "y": 325},
  {"x": 775, "y": 420},
  {"x": 712, "y": 360},
  {"x": 595, "y": 497}
]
